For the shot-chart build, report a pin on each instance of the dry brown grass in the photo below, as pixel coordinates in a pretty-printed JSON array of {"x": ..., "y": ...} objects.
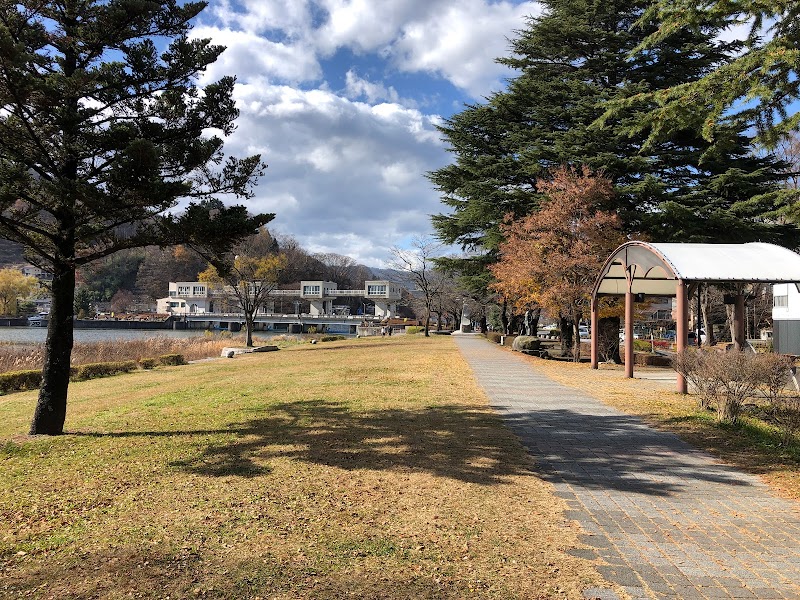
[
  {"x": 367, "y": 468},
  {"x": 17, "y": 357},
  {"x": 753, "y": 445}
]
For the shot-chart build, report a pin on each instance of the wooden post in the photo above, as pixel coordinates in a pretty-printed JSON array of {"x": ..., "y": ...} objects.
[
  {"x": 738, "y": 323},
  {"x": 681, "y": 326},
  {"x": 594, "y": 333}
]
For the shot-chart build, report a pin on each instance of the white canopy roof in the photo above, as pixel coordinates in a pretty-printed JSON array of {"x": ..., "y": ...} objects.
[{"x": 655, "y": 268}]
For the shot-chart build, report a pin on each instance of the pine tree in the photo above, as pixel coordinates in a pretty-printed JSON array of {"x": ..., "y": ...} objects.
[{"x": 101, "y": 135}]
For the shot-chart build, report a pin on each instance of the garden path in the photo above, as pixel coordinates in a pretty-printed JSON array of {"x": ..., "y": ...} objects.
[{"x": 661, "y": 519}]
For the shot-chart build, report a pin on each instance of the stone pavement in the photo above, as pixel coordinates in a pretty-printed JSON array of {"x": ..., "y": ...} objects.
[{"x": 664, "y": 520}]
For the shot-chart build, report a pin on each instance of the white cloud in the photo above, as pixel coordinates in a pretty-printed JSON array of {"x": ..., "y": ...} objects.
[
  {"x": 347, "y": 151},
  {"x": 356, "y": 87},
  {"x": 461, "y": 42},
  {"x": 338, "y": 169},
  {"x": 250, "y": 56}
]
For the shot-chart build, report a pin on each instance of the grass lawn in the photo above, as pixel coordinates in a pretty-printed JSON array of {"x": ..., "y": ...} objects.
[{"x": 369, "y": 468}]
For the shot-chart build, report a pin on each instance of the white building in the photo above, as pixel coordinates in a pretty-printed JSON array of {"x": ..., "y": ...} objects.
[
  {"x": 186, "y": 297},
  {"x": 786, "y": 318},
  {"x": 194, "y": 297}
]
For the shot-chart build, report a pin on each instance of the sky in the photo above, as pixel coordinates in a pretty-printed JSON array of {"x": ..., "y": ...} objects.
[{"x": 341, "y": 99}]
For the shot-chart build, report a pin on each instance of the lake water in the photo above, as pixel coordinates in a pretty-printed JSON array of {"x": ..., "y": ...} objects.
[{"x": 33, "y": 335}]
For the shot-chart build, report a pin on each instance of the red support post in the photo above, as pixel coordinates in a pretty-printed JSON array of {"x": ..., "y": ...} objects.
[
  {"x": 594, "y": 333},
  {"x": 629, "y": 333},
  {"x": 681, "y": 326}
]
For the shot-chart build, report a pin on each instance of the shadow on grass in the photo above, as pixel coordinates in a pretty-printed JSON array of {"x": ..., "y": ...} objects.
[
  {"x": 144, "y": 571},
  {"x": 447, "y": 441}
]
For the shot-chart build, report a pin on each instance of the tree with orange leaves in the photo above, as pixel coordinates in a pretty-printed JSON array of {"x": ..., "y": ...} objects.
[{"x": 552, "y": 257}]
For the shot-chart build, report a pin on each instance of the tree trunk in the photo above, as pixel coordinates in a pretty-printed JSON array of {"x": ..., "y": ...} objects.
[
  {"x": 565, "y": 326},
  {"x": 608, "y": 339},
  {"x": 484, "y": 324},
  {"x": 705, "y": 309},
  {"x": 576, "y": 352},
  {"x": 438, "y": 320},
  {"x": 504, "y": 318},
  {"x": 248, "y": 325},
  {"x": 536, "y": 314},
  {"x": 51, "y": 409},
  {"x": 427, "y": 323}
]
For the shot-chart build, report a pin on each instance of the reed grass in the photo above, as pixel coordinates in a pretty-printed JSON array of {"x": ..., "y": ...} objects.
[{"x": 21, "y": 357}]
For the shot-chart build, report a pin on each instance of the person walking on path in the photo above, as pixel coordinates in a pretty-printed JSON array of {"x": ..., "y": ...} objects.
[{"x": 661, "y": 519}]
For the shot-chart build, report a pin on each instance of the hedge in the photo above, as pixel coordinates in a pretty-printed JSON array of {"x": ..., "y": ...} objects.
[
  {"x": 171, "y": 359},
  {"x": 414, "y": 329},
  {"x": 148, "y": 363},
  {"x": 17, "y": 381},
  {"x": 94, "y": 370},
  {"x": 332, "y": 338},
  {"x": 493, "y": 336}
]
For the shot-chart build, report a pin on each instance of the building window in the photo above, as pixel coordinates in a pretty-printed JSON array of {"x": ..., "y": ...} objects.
[
  {"x": 781, "y": 301},
  {"x": 183, "y": 290},
  {"x": 311, "y": 290},
  {"x": 376, "y": 290},
  {"x": 198, "y": 290}
]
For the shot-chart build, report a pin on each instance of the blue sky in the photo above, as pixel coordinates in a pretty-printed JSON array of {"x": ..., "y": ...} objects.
[{"x": 341, "y": 98}]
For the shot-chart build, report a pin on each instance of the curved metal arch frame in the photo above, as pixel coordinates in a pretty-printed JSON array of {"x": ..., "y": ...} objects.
[{"x": 648, "y": 259}]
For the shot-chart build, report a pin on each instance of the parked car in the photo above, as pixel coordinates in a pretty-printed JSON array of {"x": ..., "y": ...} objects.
[
  {"x": 693, "y": 337},
  {"x": 670, "y": 335},
  {"x": 622, "y": 335},
  {"x": 584, "y": 332}
]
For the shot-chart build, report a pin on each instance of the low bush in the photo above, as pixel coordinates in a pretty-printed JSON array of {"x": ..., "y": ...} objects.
[
  {"x": 171, "y": 359},
  {"x": 95, "y": 370},
  {"x": 786, "y": 412},
  {"x": 17, "y": 381},
  {"x": 148, "y": 363},
  {"x": 508, "y": 340},
  {"x": 332, "y": 338},
  {"x": 526, "y": 343},
  {"x": 727, "y": 379},
  {"x": 414, "y": 329},
  {"x": 493, "y": 336},
  {"x": 691, "y": 364},
  {"x": 646, "y": 359}
]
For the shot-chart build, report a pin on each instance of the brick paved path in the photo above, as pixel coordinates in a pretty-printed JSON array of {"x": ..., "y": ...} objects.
[{"x": 666, "y": 520}]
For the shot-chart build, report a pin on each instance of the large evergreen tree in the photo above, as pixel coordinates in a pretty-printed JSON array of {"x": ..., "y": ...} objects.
[
  {"x": 101, "y": 135},
  {"x": 764, "y": 74},
  {"x": 571, "y": 61}
]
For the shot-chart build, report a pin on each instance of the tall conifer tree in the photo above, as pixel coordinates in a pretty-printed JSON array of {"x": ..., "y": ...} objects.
[{"x": 571, "y": 61}]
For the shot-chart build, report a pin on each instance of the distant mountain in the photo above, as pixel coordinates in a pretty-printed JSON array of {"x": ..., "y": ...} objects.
[{"x": 10, "y": 254}]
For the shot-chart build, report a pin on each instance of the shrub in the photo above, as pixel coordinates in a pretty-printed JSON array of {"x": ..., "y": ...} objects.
[
  {"x": 786, "y": 411},
  {"x": 691, "y": 363},
  {"x": 15, "y": 381},
  {"x": 94, "y": 370},
  {"x": 171, "y": 359},
  {"x": 775, "y": 370},
  {"x": 148, "y": 363},
  {"x": 738, "y": 376},
  {"x": 526, "y": 343},
  {"x": 414, "y": 329},
  {"x": 493, "y": 336},
  {"x": 332, "y": 338}
]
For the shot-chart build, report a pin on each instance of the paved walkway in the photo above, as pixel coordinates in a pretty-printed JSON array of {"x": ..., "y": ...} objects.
[{"x": 667, "y": 520}]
